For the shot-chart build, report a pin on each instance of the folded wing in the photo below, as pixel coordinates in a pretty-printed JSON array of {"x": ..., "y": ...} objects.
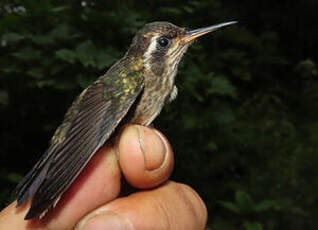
[{"x": 93, "y": 118}]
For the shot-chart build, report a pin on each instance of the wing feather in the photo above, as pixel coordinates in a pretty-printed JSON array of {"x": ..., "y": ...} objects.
[{"x": 84, "y": 130}]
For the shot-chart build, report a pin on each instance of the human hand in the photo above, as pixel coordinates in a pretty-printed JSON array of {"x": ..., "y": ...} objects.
[{"x": 146, "y": 160}]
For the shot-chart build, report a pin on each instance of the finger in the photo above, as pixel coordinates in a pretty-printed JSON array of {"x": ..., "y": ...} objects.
[
  {"x": 145, "y": 156},
  {"x": 97, "y": 184},
  {"x": 172, "y": 206}
]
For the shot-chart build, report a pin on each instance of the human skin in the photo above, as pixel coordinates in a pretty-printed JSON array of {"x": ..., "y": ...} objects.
[{"x": 144, "y": 156}]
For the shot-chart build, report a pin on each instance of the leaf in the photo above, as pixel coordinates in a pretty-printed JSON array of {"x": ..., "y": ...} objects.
[
  {"x": 12, "y": 37},
  {"x": 63, "y": 83},
  {"x": 264, "y": 205},
  {"x": 224, "y": 115},
  {"x": 86, "y": 52},
  {"x": 4, "y": 98},
  {"x": 11, "y": 69},
  {"x": 242, "y": 73},
  {"x": 14, "y": 177},
  {"x": 189, "y": 122},
  {"x": 104, "y": 60},
  {"x": 62, "y": 31},
  {"x": 55, "y": 69},
  {"x": 188, "y": 9},
  {"x": 84, "y": 81},
  {"x": 66, "y": 55},
  {"x": 252, "y": 225},
  {"x": 307, "y": 68},
  {"x": 222, "y": 86},
  {"x": 28, "y": 54},
  {"x": 212, "y": 146},
  {"x": 221, "y": 224},
  {"x": 45, "y": 83},
  {"x": 244, "y": 200},
  {"x": 35, "y": 73},
  {"x": 230, "y": 206},
  {"x": 59, "y": 9},
  {"x": 170, "y": 10},
  {"x": 41, "y": 39}
]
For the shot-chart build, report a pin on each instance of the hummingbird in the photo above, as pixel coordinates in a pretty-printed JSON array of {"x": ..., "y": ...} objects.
[{"x": 133, "y": 90}]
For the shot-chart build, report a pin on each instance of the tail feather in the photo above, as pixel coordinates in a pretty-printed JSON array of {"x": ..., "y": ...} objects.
[{"x": 32, "y": 181}]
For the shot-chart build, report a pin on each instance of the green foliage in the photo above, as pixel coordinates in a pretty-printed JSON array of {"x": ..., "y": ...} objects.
[
  {"x": 222, "y": 86},
  {"x": 12, "y": 37},
  {"x": 245, "y": 120},
  {"x": 250, "y": 214},
  {"x": 14, "y": 177},
  {"x": 252, "y": 226},
  {"x": 4, "y": 98}
]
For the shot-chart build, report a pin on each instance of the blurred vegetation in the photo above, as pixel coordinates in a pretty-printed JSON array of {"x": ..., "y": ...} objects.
[{"x": 244, "y": 127}]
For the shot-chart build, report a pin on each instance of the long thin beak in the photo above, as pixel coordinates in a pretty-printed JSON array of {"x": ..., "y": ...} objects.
[{"x": 193, "y": 34}]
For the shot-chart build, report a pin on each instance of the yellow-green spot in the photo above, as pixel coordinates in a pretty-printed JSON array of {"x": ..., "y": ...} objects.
[
  {"x": 136, "y": 64},
  {"x": 60, "y": 133}
]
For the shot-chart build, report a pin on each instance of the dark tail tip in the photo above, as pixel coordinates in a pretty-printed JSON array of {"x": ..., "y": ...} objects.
[
  {"x": 39, "y": 207},
  {"x": 30, "y": 215}
]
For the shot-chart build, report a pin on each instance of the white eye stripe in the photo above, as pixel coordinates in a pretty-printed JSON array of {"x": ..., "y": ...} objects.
[
  {"x": 150, "y": 50},
  {"x": 172, "y": 54}
]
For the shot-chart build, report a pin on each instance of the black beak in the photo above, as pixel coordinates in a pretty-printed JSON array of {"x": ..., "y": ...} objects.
[{"x": 193, "y": 34}]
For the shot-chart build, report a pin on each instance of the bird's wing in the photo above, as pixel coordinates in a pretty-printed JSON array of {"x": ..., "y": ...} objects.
[{"x": 93, "y": 118}]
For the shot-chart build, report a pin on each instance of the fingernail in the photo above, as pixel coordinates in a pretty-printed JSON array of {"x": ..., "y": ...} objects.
[
  {"x": 106, "y": 221},
  {"x": 153, "y": 146}
]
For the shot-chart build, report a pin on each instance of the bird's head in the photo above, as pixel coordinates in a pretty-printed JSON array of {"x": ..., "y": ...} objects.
[{"x": 162, "y": 44}]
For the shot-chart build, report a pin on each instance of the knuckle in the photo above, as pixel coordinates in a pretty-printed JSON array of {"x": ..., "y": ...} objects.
[{"x": 194, "y": 204}]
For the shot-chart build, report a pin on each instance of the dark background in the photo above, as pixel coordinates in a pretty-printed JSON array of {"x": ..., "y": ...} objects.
[{"x": 244, "y": 127}]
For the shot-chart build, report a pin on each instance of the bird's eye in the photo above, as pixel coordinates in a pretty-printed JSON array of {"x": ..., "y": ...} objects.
[{"x": 163, "y": 42}]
